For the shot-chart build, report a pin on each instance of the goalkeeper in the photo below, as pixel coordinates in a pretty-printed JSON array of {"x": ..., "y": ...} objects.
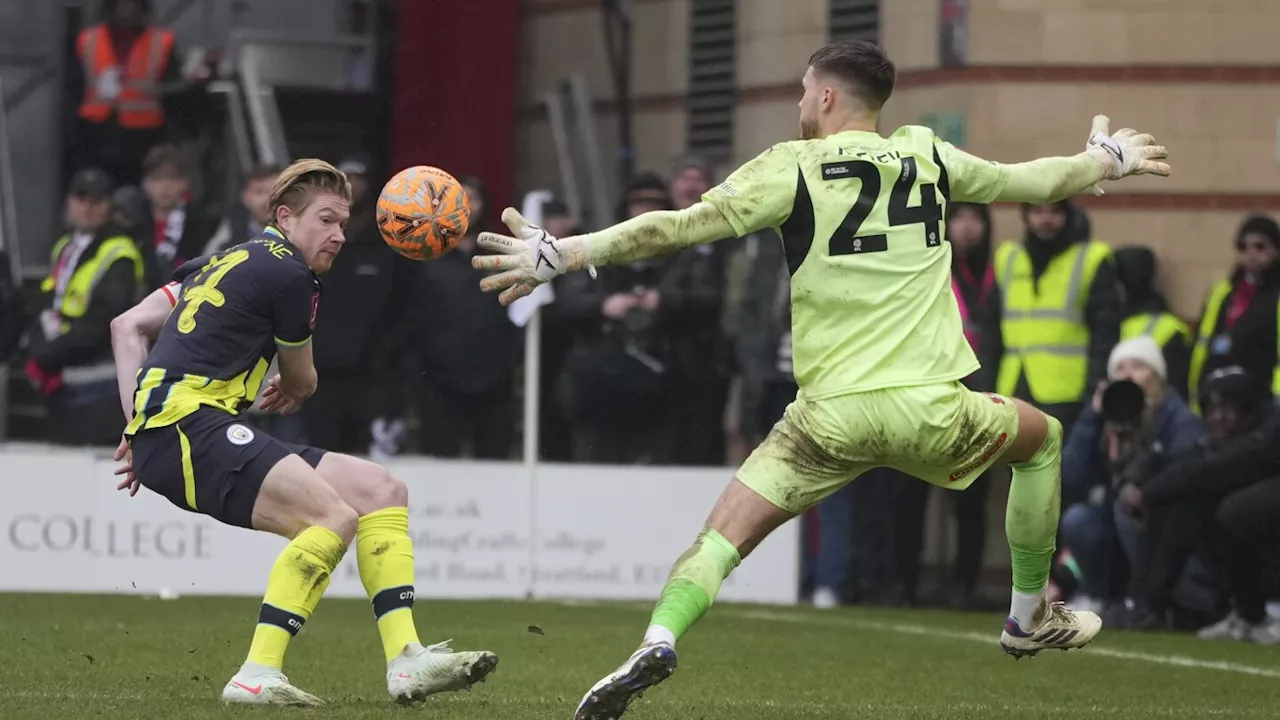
[{"x": 879, "y": 348}]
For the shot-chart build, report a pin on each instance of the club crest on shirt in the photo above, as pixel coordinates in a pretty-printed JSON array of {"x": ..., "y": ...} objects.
[
  {"x": 239, "y": 435},
  {"x": 315, "y": 307}
]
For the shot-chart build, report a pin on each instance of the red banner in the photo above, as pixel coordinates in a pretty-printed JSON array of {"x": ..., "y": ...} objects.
[{"x": 455, "y": 93}]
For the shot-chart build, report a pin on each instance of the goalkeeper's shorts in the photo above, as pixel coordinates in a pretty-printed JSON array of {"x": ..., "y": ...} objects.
[{"x": 944, "y": 434}]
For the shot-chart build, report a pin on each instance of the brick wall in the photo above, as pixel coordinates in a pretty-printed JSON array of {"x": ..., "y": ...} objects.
[{"x": 1200, "y": 75}]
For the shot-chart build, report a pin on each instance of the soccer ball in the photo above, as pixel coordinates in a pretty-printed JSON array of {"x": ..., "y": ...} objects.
[{"x": 423, "y": 212}]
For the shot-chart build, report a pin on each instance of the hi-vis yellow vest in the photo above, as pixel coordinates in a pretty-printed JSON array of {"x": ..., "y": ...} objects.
[
  {"x": 1161, "y": 327},
  {"x": 1208, "y": 327},
  {"x": 1045, "y": 334},
  {"x": 89, "y": 270}
]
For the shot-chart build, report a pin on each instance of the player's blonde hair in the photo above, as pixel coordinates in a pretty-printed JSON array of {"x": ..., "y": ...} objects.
[{"x": 299, "y": 183}]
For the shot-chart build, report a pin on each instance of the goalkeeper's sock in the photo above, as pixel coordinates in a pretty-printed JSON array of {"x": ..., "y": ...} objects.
[
  {"x": 692, "y": 586},
  {"x": 384, "y": 552},
  {"x": 1031, "y": 523},
  {"x": 297, "y": 581}
]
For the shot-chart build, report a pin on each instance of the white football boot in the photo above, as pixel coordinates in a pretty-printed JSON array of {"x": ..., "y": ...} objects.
[
  {"x": 1266, "y": 632},
  {"x": 421, "y": 671},
  {"x": 1231, "y": 627},
  {"x": 608, "y": 699},
  {"x": 1053, "y": 628},
  {"x": 260, "y": 685}
]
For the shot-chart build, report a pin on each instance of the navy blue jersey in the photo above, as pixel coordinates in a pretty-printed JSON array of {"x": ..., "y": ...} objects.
[{"x": 233, "y": 310}]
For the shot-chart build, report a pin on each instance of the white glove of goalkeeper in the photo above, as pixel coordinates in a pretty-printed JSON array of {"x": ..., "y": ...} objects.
[
  {"x": 1127, "y": 152},
  {"x": 529, "y": 259}
]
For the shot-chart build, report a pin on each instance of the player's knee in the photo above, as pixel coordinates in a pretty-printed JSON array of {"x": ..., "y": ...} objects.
[
  {"x": 384, "y": 490},
  {"x": 1027, "y": 452},
  {"x": 342, "y": 519}
]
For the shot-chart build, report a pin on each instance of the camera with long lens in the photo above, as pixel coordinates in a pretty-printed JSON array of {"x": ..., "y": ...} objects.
[{"x": 1122, "y": 403}]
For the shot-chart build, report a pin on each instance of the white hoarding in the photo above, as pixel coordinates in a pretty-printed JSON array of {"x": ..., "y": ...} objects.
[{"x": 480, "y": 530}]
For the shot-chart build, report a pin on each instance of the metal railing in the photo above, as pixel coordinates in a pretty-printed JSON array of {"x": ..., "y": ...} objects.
[{"x": 264, "y": 60}]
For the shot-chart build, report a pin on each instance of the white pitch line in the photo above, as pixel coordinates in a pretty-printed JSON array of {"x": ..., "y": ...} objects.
[{"x": 992, "y": 639}]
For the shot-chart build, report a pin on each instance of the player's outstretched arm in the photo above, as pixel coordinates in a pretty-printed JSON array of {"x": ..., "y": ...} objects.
[
  {"x": 533, "y": 257},
  {"x": 131, "y": 336},
  {"x": 1106, "y": 157}
]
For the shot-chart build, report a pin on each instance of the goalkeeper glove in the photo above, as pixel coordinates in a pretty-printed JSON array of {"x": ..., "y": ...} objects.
[
  {"x": 1125, "y": 153},
  {"x": 529, "y": 259}
]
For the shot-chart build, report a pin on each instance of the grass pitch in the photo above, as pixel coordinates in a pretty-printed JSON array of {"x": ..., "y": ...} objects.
[{"x": 86, "y": 656}]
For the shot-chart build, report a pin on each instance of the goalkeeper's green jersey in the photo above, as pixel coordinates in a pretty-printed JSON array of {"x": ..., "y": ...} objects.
[{"x": 861, "y": 221}]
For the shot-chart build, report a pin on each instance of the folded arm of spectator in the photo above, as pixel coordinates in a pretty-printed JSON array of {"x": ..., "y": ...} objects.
[
  {"x": 1211, "y": 472},
  {"x": 1083, "y": 462}
]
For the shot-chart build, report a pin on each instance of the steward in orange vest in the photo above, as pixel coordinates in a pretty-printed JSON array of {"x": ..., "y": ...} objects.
[{"x": 124, "y": 86}]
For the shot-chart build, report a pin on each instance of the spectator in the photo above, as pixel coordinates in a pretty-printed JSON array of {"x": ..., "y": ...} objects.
[
  {"x": 121, "y": 65},
  {"x": 556, "y": 342},
  {"x": 1109, "y": 449},
  {"x": 1238, "y": 325},
  {"x": 1061, "y": 311},
  {"x": 359, "y": 337},
  {"x": 852, "y": 549},
  {"x": 470, "y": 350},
  {"x": 691, "y": 302},
  {"x": 131, "y": 212},
  {"x": 247, "y": 220},
  {"x": 691, "y": 180},
  {"x": 97, "y": 273},
  {"x": 1227, "y": 491},
  {"x": 973, "y": 284},
  {"x": 617, "y": 384},
  {"x": 181, "y": 227},
  {"x": 1146, "y": 313},
  {"x": 12, "y": 311}
]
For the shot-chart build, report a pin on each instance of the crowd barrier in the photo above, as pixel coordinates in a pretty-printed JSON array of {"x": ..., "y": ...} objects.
[{"x": 480, "y": 530}]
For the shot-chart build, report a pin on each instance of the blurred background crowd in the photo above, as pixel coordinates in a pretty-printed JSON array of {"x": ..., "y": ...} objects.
[{"x": 1171, "y": 474}]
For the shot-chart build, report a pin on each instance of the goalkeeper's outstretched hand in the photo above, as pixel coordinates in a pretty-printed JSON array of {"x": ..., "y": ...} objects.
[
  {"x": 1127, "y": 152},
  {"x": 528, "y": 259}
]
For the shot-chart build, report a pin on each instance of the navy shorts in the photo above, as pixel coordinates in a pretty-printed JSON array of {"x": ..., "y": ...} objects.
[{"x": 211, "y": 463}]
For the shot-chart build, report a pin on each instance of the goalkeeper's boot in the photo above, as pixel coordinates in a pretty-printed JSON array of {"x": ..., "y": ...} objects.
[
  {"x": 260, "y": 685},
  {"x": 421, "y": 671},
  {"x": 1053, "y": 627},
  {"x": 608, "y": 699}
]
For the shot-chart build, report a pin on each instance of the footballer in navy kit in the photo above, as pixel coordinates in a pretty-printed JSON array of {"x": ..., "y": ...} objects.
[{"x": 217, "y": 328}]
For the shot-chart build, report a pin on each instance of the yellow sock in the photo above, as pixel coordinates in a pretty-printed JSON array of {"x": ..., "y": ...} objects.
[
  {"x": 297, "y": 581},
  {"x": 385, "y": 553}
]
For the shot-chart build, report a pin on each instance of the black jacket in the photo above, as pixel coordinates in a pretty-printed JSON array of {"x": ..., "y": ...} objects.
[
  {"x": 983, "y": 306},
  {"x": 692, "y": 303},
  {"x": 1253, "y": 338},
  {"x": 361, "y": 329},
  {"x": 88, "y": 341},
  {"x": 466, "y": 340},
  {"x": 12, "y": 317},
  {"x": 1213, "y": 470}
]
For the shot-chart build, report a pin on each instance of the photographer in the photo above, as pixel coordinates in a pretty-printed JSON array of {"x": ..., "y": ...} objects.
[
  {"x": 1122, "y": 437},
  {"x": 1225, "y": 491},
  {"x": 617, "y": 386}
]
